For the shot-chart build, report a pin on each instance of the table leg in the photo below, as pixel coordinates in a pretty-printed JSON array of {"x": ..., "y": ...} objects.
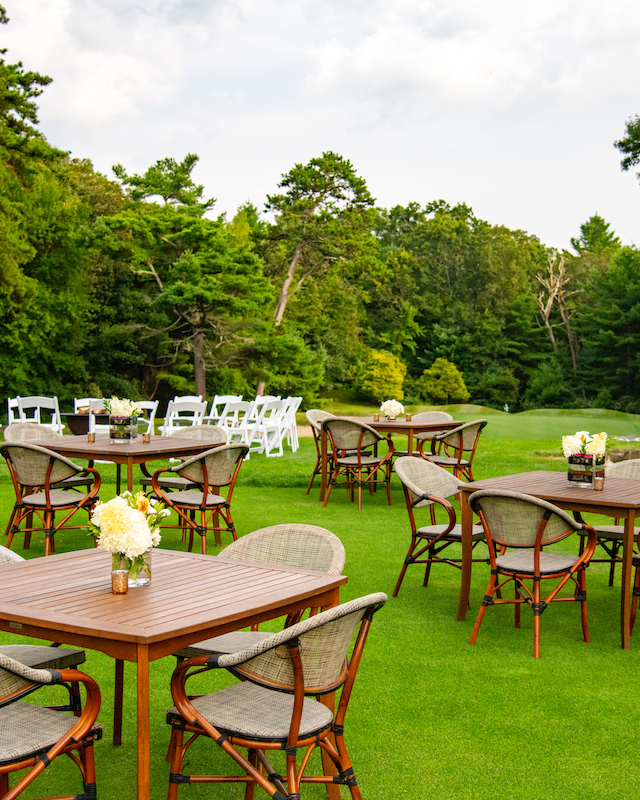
[
  {"x": 323, "y": 462},
  {"x": 130, "y": 475},
  {"x": 410, "y": 443},
  {"x": 627, "y": 557},
  {"x": 144, "y": 724},
  {"x": 466, "y": 519},
  {"x": 118, "y": 477},
  {"x": 118, "y": 690}
]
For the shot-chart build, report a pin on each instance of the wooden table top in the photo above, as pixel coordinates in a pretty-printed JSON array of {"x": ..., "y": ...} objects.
[
  {"x": 402, "y": 425},
  {"x": 554, "y": 487},
  {"x": 67, "y": 597},
  {"x": 158, "y": 447}
]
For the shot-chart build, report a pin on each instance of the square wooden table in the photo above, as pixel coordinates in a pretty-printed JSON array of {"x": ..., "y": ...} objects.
[
  {"x": 383, "y": 425},
  {"x": 130, "y": 453},
  {"x": 620, "y": 498},
  {"x": 67, "y": 598}
]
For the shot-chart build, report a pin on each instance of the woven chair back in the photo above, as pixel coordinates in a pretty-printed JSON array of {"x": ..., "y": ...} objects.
[
  {"x": 347, "y": 434},
  {"x": 220, "y": 463},
  {"x": 432, "y": 416},
  {"x": 315, "y": 418},
  {"x": 8, "y": 556},
  {"x": 514, "y": 519},
  {"x": 622, "y": 469},
  {"x": 467, "y": 434},
  {"x": 212, "y": 433},
  {"x": 14, "y": 676},
  {"x": 31, "y": 462},
  {"x": 27, "y": 432},
  {"x": 324, "y": 644},
  {"x": 291, "y": 545},
  {"x": 425, "y": 478}
]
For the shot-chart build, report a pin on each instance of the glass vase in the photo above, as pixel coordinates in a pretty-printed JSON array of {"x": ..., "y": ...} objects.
[
  {"x": 143, "y": 577},
  {"x": 123, "y": 430},
  {"x": 583, "y": 469}
]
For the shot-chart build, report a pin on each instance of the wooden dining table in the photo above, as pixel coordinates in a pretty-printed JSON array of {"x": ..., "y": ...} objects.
[
  {"x": 383, "y": 425},
  {"x": 128, "y": 453},
  {"x": 67, "y": 598},
  {"x": 620, "y": 498}
]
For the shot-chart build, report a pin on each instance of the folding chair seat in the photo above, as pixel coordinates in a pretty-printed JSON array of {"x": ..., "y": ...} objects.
[
  {"x": 448, "y": 449},
  {"x": 425, "y": 486},
  {"x": 275, "y": 707},
  {"x": 31, "y": 736},
  {"x": 36, "y": 473},
  {"x": 287, "y": 545},
  {"x": 521, "y": 526},
  {"x": 349, "y": 442},
  {"x": 199, "y": 506}
]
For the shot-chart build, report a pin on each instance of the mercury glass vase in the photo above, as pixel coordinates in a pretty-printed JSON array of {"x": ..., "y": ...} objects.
[{"x": 123, "y": 429}]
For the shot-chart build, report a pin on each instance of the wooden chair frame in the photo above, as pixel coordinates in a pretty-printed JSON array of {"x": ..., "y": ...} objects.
[{"x": 455, "y": 450}]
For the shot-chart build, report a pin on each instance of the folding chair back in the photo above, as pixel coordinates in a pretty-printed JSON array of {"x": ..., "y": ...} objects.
[
  {"x": 13, "y": 410},
  {"x": 183, "y": 413},
  {"x": 151, "y": 406},
  {"x": 31, "y": 408}
]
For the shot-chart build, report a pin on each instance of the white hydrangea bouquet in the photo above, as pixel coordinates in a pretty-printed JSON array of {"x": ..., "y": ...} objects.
[
  {"x": 122, "y": 408},
  {"x": 128, "y": 527},
  {"x": 583, "y": 443},
  {"x": 392, "y": 409}
]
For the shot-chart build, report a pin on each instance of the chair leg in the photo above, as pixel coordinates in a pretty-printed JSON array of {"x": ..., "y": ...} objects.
[
  {"x": 485, "y": 602},
  {"x": 427, "y": 569},
  {"x": 536, "y": 619},
  {"x": 118, "y": 690},
  {"x": 582, "y": 579},
  {"x": 517, "y": 605}
]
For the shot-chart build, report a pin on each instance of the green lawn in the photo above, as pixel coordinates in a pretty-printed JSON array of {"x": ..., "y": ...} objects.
[{"x": 431, "y": 717}]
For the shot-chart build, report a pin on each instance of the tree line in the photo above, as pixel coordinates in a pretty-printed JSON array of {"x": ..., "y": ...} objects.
[{"x": 133, "y": 286}]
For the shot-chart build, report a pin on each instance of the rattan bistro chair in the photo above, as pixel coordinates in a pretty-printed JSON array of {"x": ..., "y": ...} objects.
[
  {"x": 32, "y": 736},
  {"x": 425, "y": 486},
  {"x": 425, "y": 416},
  {"x": 36, "y": 473},
  {"x": 456, "y": 448},
  {"x": 287, "y": 545},
  {"x": 199, "y": 507},
  {"x": 315, "y": 418},
  {"x": 527, "y": 524},
  {"x": 610, "y": 537},
  {"x": 43, "y": 656},
  {"x": 349, "y": 440},
  {"x": 276, "y": 706}
]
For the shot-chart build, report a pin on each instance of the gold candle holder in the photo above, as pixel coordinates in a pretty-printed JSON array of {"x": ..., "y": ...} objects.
[
  {"x": 91, "y": 437},
  {"x": 146, "y": 438},
  {"x": 120, "y": 581},
  {"x": 407, "y": 417},
  {"x": 376, "y": 417},
  {"x": 598, "y": 484}
]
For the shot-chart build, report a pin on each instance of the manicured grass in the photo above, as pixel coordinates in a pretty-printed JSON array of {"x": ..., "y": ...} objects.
[{"x": 431, "y": 717}]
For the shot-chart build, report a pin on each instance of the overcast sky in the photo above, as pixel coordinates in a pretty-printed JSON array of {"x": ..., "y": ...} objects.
[{"x": 511, "y": 107}]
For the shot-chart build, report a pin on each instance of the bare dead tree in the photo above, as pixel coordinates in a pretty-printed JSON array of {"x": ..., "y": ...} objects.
[{"x": 555, "y": 294}]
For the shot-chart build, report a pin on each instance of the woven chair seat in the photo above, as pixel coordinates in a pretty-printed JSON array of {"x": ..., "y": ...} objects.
[
  {"x": 366, "y": 461},
  {"x": 447, "y": 461},
  {"x": 27, "y": 730},
  {"x": 70, "y": 483},
  {"x": 454, "y": 533},
  {"x": 168, "y": 483},
  {"x": 611, "y": 531},
  {"x": 192, "y": 497},
  {"x": 58, "y": 498},
  {"x": 43, "y": 657},
  {"x": 522, "y": 562},
  {"x": 252, "y": 711},
  {"x": 227, "y": 643}
]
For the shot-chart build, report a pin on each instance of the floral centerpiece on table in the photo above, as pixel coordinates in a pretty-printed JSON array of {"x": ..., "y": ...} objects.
[
  {"x": 583, "y": 443},
  {"x": 123, "y": 419},
  {"x": 585, "y": 455},
  {"x": 128, "y": 527},
  {"x": 392, "y": 409}
]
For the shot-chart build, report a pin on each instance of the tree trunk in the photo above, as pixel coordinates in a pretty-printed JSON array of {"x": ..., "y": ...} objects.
[
  {"x": 198, "y": 364},
  {"x": 260, "y": 389},
  {"x": 284, "y": 292}
]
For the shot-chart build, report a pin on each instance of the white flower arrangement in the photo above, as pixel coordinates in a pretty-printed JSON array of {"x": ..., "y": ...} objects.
[
  {"x": 128, "y": 527},
  {"x": 122, "y": 408},
  {"x": 392, "y": 408},
  {"x": 582, "y": 443}
]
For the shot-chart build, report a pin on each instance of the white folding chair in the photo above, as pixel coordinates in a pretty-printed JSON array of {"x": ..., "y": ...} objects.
[
  {"x": 30, "y": 410},
  {"x": 272, "y": 429},
  {"x": 95, "y": 425},
  {"x": 183, "y": 413},
  {"x": 290, "y": 426},
  {"x": 220, "y": 401},
  {"x": 152, "y": 407},
  {"x": 13, "y": 411},
  {"x": 82, "y": 402},
  {"x": 242, "y": 422}
]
